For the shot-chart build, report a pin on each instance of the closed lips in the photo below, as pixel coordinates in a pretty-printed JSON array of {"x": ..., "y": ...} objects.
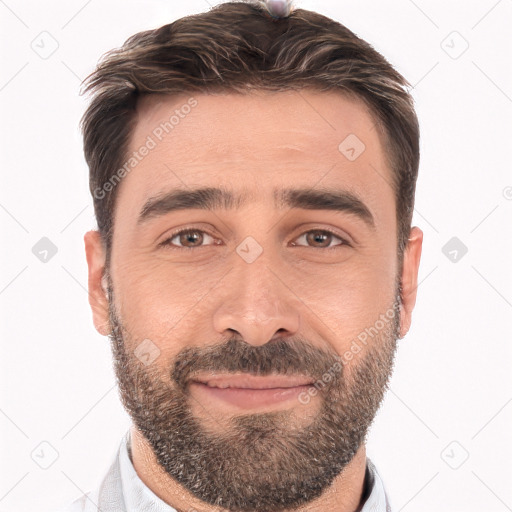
[{"x": 248, "y": 381}]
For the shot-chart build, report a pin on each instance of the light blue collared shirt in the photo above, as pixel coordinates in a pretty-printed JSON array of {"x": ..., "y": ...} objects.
[{"x": 121, "y": 490}]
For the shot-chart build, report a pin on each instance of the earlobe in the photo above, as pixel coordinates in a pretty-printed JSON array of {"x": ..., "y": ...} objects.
[
  {"x": 98, "y": 295},
  {"x": 411, "y": 263}
]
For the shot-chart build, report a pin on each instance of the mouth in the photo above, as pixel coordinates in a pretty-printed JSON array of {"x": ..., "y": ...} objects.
[
  {"x": 247, "y": 391},
  {"x": 250, "y": 381}
]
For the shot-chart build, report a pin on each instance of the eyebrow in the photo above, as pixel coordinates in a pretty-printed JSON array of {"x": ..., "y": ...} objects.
[{"x": 211, "y": 198}]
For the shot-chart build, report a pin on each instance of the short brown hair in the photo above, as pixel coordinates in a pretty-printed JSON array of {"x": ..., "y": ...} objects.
[{"x": 236, "y": 47}]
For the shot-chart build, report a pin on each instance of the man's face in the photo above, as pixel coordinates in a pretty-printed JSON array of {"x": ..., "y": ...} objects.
[{"x": 305, "y": 291}]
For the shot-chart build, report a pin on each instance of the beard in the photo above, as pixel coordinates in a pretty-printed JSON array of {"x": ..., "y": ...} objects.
[{"x": 261, "y": 461}]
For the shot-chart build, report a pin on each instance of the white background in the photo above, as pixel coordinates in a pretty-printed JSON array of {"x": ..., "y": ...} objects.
[{"x": 452, "y": 380}]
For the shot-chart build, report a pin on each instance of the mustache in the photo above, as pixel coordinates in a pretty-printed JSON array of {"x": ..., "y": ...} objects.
[{"x": 282, "y": 357}]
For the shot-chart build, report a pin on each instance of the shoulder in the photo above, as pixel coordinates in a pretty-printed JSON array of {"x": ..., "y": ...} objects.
[{"x": 107, "y": 496}]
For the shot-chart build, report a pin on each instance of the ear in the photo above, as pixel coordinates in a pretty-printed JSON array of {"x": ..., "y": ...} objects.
[
  {"x": 98, "y": 299},
  {"x": 411, "y": 263}
]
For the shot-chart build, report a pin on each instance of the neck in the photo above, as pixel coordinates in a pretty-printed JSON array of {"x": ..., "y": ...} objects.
[{"x": 344, "y": 494}]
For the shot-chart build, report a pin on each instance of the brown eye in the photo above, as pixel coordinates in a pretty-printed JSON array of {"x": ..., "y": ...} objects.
[
  {"x": 188, "y": 238},
  {"x": 194, "y": 238},
  {"x": 321, "y": 239}
]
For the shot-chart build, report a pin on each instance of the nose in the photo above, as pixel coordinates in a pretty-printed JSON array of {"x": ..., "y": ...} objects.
[{"x": 258, "y": 305}]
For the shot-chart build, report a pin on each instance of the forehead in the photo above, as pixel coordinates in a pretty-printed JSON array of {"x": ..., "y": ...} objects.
[{"x": 256, "y": 141}]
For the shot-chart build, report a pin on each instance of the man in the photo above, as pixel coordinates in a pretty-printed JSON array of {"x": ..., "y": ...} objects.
[{"x": 253, "y": 171}]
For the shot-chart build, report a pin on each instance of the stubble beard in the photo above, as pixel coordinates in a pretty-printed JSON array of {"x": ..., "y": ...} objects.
[{"x": 257, "y": 462}]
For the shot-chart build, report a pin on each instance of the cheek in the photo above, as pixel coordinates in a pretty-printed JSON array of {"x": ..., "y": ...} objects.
[
  {"x": 349, "y": 298},
  {"x": 161, "y": 301},
  {"x": 174, "y": 304}
]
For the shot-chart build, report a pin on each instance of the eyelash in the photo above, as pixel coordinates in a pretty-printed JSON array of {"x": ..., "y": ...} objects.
[{"x": 166, "y": 242}]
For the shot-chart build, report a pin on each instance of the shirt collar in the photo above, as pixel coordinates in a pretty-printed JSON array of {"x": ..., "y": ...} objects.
[
  {"x": 137, "y": 496},
  {"x": 378, "y": 500}
]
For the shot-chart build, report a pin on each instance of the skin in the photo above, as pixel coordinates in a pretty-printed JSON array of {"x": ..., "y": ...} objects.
[{"x": 199, "y": 297}]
